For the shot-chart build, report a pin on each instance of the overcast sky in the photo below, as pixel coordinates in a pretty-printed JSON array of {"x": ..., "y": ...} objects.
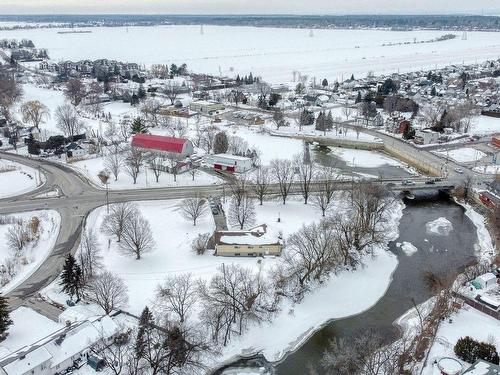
[{"x": 249, "y": 6}]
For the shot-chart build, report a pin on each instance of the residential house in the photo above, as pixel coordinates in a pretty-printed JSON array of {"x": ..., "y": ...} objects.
[
  {"x": 206, "y": 107},
  {"x": 59, "y": 351},
  {"x": 253, "y": 242},
  {"x": 483, "y": 368},
  {"x": 230, "y": 163},
  {"x": 426, "y": 136}
]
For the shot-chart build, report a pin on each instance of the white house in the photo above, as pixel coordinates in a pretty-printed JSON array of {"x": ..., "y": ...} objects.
[
  {"x": 206, "y": 107},
  {"x": 229, "y": 163},
  {"x": 60, "y": 350},
  {"x": 426, "y": 136}
]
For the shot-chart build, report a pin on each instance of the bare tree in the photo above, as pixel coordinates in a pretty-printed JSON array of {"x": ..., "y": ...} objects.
[
  {"x": 114, "y": 162},
  {"x": 108, "y": 291},
  {"x": 177, "y": 129},
  {"x": 208, "y": 138},
  {"x": 17, "y": 237},
  {"x": 306, "y": 173},
  {"x": 151, "y": 112},
  {"x": 89, "y": 255},
  {"x": 192, "y": 208},
  {"x": 35, "y": 113},
  {"x": 325, "y": 181},
  {"x": 173, "y": 164},
  {"x": 311, "y": 255},
  {"x": 156, "y": 165},
  {"x": 200, "y": 243},
  {"x": 242, "y": 214},
  {"x": 260, "y": 183},
  {"x": 347, "y": 110},
  {"x": 68, "y": 120},
  {"x": 177, "y": 296},
  {"x": 284, "y": 174},
  {"x": 75, "y": 91},
  {"x": 124, "y": 131},
  {"x": 10, "y": 92},
  {"x": 115, "y": 222},
  {"x": 133, "y": 162},
  {"x": 239, "y": 188},
  {"x": 172, "y": 90},
  {"x": 137, "y": 237}
]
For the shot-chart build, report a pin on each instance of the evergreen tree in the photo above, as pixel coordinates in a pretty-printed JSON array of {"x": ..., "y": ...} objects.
[
  {"x": 358, "y": 98},
  {"x": 71, "y": 277},
  {"x": 329, "y": 121},
  {"x": 238, "y": 80},
  {"x": 138, "y": 126},
  {"x": 5, "y": 320},
  {"x": 33, "y": 146},
  {"x": 134, "y": 100},
  {"x": 174, "y": 70},
  {"x": 320, "y": 122},
  {"x": 250, "y": 78},
  {"x": 324, "y": 83},
  {"x": 433, "y": 91},
  {"x": 141, "y": 93},
  {"x": 145, "y": 321},
  {"x": 352, "y": 77}
]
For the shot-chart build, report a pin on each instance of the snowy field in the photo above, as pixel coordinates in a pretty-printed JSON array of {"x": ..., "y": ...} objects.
[
  {"x": 146, "y": 179},
  {"x": 229, "y": 50},
  {"x": 364, "y": 159},
  {"x": 33, "y": 253},
  {"x": 484, "y": 125},
  {"x": 467, "y": 322},
  {"x": 173, "y": 255},
  {"x": 463, "y": 155},
  {"x": 17, "y": 179}
]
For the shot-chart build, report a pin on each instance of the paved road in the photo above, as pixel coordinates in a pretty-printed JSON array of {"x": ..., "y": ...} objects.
[{"x": 79, "y": 198}]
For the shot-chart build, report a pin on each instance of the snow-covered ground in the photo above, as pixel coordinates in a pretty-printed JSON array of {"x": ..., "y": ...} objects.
[
  {"x": 173, "y": 255},
  {"x": 330, "y": 53},
  {"x": 364, "y": 158},
  {"x": 463, "y": 155},
  {"x": 484, "y": 125},
  {"x": 28, "y": 327},
  {"x": 146, "y": 179},
  {"x": 17, "y": 179},
  {"x": 484, "y": 248},
  {"x": 467, "y": 322},
  {"x": 34, "y": 253},
  {"x": 488, "y": 169},
  {"x": 54, "y": 98}
]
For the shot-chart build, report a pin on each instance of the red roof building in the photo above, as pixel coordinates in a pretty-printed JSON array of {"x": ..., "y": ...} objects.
[{"x": 181, "y": 146}]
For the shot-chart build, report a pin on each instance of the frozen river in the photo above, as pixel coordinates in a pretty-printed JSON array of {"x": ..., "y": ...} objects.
[{"x": 273, "y": 53}]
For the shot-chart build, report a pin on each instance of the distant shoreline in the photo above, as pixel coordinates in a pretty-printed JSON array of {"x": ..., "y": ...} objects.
[{"x": 349, "y": 22}]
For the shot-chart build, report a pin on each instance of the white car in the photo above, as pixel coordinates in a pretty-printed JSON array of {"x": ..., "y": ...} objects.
[{"x": 459, "y": 170}]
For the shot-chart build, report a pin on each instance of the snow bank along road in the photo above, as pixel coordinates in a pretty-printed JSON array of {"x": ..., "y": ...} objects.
[{"x": 79, "y": 198}]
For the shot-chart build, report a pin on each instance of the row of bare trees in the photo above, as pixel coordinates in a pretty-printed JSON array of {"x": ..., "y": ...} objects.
[{"x": 337, "y": 242}]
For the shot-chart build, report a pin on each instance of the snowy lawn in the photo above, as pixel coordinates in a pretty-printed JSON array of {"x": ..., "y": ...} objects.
[
  {"x": 33, "y": 254},
  {"x": 270, "y": 147},
  {"x": 463, "y": 155},
  {"x": 364, "y": 159},
  {"x": 484, "y": 125},
  {"x": 173, "y": 255},
  {"x": 28, "y": 327},
  {"x": 17, "y": 179},
  {"x": 467, "y": 322},
  {"x": 146, "y": 179}
]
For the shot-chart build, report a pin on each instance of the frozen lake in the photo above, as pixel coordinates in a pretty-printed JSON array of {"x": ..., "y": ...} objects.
[{"x": 272, "y": 53}]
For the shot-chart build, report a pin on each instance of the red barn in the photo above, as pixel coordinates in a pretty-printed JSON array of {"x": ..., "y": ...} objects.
[{"x": 159, "y": 143}]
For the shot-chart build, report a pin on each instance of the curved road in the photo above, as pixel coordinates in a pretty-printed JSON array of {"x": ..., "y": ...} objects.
[{"x": 78, "y": 198}]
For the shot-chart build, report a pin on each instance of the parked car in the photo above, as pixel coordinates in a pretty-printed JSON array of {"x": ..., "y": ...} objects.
[
  {"x": 459, "y": 170},
  {"x": 430, "y": 182},
  {"x": 408, "y": 182}
]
